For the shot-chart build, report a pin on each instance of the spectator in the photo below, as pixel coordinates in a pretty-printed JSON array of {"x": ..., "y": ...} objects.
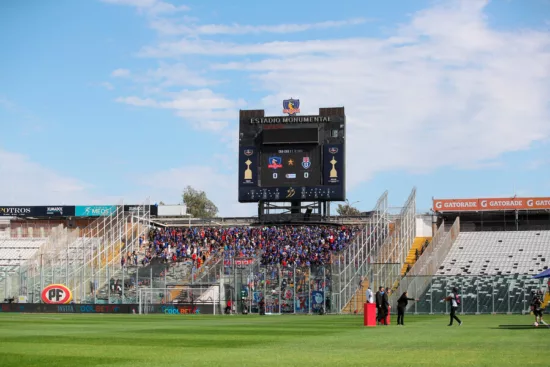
[{"x": 286, "y": 245}]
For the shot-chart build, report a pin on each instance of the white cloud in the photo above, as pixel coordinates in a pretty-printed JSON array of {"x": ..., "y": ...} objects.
[
  {"x": 107, "y": 85},
  {"x": 25, "y": 182},
  {"x": 203, "y": 108},
  {"x": 220, "y": 188},
  {"x": 457, "y": 93},
  {"x": 170, "y": 27},
  {"x": 445, "y": 89},
  {"x": 120, "y": 73},
  {"x": 151, "y": 7},
  {"x": 352, "y": 47},
  {"x": 168, "y": 75}
]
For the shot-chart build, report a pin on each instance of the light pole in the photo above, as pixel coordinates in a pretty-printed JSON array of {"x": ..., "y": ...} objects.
[{"x": 190, "y": 216}]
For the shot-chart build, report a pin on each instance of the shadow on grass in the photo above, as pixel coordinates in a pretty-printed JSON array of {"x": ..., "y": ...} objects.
[{"x": 520, "y": 327}]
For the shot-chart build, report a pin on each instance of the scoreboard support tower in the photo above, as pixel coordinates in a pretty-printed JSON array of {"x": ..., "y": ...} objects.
[
  {"x": 293, "y": 212},
  {"x": 292, "y": 166}
]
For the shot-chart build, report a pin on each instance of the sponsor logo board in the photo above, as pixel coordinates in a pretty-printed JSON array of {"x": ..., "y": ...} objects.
[
  {"x": 485, "y": 204},
  {"x": 56, "y": 294}
]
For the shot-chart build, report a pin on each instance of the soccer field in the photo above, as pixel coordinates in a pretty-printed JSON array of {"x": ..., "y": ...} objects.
[{"x": 194, "y": 340}]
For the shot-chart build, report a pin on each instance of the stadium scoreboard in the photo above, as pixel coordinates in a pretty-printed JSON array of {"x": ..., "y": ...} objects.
[{"x": 292, "y": 158}]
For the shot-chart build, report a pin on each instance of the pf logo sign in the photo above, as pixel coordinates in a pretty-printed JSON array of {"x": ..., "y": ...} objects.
[{"x": 56, "y": 294}]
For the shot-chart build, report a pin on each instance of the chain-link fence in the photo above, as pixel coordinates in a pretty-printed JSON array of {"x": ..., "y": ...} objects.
[{"x": 479, "y": 294}]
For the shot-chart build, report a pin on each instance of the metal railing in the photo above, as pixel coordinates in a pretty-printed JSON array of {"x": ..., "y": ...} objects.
[
  {"x": 392, "y": 255},
  {"x": 349, "y": 265},
  {"x": 481, "y": 294},
  {"x": 428, "y": 263},
  {"x": 82, "y": 259}
]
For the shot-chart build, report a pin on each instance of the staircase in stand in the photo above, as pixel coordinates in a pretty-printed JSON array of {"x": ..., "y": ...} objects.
[
  {"x": 411, "y": 257},
  {"x": 355, "y": 305}
]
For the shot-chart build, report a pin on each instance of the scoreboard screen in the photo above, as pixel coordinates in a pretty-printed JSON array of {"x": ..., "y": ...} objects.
[
  {"x": 292, "y": 158},
  {"x": 290, "y": 167}
]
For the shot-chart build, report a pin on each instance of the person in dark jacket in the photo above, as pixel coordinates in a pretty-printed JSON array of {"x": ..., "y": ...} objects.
[
  {"x": 536, "y": 307},
  {"x": 382, "y": 305},
  {"x": 402, "y": 303}
]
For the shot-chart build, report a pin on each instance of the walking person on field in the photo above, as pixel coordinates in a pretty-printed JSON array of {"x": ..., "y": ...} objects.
[
  {"x": 454, "y": 301},
  {"x": 402, "y": 306}
]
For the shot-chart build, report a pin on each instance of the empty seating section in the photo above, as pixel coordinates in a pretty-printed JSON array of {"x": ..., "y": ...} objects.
[
  {"x": 479, "y": 294},
  {"x": 13, "y": 251},
  {"x": 492, "y": 270},
  {"x": 498, "y": 253}
]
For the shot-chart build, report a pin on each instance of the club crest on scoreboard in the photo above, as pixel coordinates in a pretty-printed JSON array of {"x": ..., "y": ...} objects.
[
  {"x": 333, "y": 150},
  {"x": 306, "y": 163},
  {"x": 291, "y": 106},
  {"x": 275, "y": 162},
  {"x": 248, "y": 152}
]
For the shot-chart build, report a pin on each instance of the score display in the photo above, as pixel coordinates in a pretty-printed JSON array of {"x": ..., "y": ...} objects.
[
  {"x": 292, "y": 158},
  {"x": 290, "y": 167}
]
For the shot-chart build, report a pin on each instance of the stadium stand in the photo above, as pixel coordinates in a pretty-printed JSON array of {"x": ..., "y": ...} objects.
[
  {"x": 286, "y": 262},
  {"x": 13, "y": 251},
  {"x": 498, "y": 253},
  {"x": 285, "y": 245},
  {"x": 491, "y": 262}
]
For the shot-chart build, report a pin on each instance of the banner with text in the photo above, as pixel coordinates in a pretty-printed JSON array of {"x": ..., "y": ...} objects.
[
  {"x": 485, "y": 204},
  {"x": 176, "y": 309},
  {"x": 95, "y": 210}
]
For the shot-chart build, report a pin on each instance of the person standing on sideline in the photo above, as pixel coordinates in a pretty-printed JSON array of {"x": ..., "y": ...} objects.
[
  {"x": 454, "y": 300},
  {"x": 381, "y": 305},
  {"x": 536, "y": 307},
  {"x": 370, "y": 296},
  {"x": 402, "y": 306}
]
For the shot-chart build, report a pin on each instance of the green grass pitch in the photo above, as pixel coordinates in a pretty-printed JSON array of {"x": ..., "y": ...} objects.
[{"x": 195, "y": 340}]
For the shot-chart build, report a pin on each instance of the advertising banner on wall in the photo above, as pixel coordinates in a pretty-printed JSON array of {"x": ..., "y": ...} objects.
[
  {"x": 95, "y": 210},
  {"x": 153, "y": 209},
  {"x": 37, "y": 211},
  {"x": 179, "y": 309},
  {"x": 494, "y": 204}
]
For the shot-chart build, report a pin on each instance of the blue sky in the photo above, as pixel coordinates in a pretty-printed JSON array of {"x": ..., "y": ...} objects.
[{"x": 102, "y": 101}]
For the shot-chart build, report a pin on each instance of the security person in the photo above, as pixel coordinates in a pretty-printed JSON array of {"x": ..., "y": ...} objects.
[
  {"x": 382, "y": 305},
  {"x": 402, "y": 303}
]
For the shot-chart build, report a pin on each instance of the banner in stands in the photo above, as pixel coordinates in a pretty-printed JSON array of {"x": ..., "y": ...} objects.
[
  {"x": 95, "y": 210},
  {"x": 176, "y": 309},
  {"x": 238, "y": 262},
  {"x": 468, "y": 205}
]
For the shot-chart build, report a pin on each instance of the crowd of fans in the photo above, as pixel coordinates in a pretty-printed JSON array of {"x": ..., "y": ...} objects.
[{"x": 285, "y": 245}]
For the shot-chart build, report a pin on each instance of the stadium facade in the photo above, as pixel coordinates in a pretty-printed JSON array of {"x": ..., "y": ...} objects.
[{"x": 490, "y": 253}]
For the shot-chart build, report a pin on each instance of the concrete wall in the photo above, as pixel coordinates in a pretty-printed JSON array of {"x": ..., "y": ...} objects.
[{"x": 424, "y": 226}]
